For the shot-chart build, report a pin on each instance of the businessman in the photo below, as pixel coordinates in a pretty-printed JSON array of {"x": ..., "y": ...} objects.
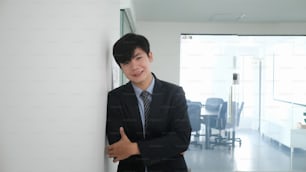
[{"x": 148, "y": 128}]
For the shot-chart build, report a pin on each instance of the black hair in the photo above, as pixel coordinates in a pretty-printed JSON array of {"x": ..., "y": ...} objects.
[{"x": 124, "y": 48}]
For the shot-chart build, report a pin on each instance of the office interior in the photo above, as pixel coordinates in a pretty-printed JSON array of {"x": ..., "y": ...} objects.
[{"x": 56, "y": 69}]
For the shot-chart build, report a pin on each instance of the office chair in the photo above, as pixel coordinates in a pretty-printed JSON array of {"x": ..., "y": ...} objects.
[
  {"x": 213, "y": 104},
  {"x": 228, "y": 122},
  {"x": 220, "y": 124},
  {"x": 194, "y": 113},
  {"x": 212, "y": 107}
]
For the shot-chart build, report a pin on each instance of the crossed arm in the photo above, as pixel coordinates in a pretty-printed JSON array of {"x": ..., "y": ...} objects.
[{"x": 122, "y": 149}]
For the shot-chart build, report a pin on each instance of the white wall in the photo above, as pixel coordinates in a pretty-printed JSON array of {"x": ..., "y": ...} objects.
[
  {"x": 55, "y": 61},
  {"x": 165, "y": 39}
]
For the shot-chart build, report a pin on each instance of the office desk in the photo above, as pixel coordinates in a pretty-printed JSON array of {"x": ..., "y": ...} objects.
[{"x": 298, "y": 140}]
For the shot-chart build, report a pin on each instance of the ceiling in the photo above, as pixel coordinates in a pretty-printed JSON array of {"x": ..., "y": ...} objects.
[{"x": 220, "y": 10}]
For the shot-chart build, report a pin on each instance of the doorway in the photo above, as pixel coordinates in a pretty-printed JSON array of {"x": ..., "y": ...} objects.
[{"x": 206, "y": 68}]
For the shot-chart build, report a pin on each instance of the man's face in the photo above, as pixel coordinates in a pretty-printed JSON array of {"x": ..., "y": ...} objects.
[{"x": 137, "y": 70}]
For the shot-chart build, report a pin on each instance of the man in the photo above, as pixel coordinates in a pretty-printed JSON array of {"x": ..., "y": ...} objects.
[{"x": 145, "y": 134}]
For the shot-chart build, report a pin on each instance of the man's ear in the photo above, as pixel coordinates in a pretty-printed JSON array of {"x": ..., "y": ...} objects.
[{"x": 150, "y": 55}]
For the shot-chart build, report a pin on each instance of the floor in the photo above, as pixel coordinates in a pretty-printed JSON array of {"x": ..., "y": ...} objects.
[{"x": 256, "y": 154}]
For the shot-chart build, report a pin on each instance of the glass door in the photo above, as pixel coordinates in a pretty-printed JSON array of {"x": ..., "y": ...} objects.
[{"x": 251, "y": 91}]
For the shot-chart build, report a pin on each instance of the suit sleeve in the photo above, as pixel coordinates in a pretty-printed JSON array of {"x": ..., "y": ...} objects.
[
  {"x": 114, "y": 118},
  {"x": 176, "y": 140}
]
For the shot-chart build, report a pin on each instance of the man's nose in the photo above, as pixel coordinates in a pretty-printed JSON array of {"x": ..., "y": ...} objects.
[{"x": 134, "y": 64}]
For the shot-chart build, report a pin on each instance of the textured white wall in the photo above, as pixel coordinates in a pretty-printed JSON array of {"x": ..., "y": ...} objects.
[{"x": 54, "y": 77}]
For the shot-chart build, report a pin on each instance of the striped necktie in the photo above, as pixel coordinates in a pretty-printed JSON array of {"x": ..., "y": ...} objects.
[{"x": 146, "y": 103}]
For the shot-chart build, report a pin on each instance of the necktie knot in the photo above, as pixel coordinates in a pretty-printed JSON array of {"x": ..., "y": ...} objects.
[{"x": 145, "y": 95}]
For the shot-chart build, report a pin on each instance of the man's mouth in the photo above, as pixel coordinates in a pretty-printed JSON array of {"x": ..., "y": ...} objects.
[{"x": 137, "y": 74}]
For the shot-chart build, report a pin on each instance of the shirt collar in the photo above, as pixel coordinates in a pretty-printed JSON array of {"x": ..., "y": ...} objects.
[{"x": 149, "y": 89}]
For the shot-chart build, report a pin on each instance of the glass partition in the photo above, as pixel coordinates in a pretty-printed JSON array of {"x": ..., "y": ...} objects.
[{"x": 126, "y": 26}]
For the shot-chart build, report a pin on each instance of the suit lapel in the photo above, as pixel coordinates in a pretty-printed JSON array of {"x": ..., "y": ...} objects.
[
  {"x": 157, "y": 98},
  {"x": 132, "y": 105}
]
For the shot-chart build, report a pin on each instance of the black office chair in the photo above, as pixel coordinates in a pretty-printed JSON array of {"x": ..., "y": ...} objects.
[{"x": 194, "y": 113}]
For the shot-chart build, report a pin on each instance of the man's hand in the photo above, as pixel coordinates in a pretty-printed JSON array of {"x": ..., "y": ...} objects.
[{"x": 122, "y": 149}]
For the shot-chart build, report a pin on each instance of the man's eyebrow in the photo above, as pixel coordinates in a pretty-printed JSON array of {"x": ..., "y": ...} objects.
[{"x": 136, "y": 55}]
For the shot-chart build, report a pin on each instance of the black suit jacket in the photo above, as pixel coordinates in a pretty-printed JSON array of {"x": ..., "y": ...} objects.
[{"x": 167, "y": 134}]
